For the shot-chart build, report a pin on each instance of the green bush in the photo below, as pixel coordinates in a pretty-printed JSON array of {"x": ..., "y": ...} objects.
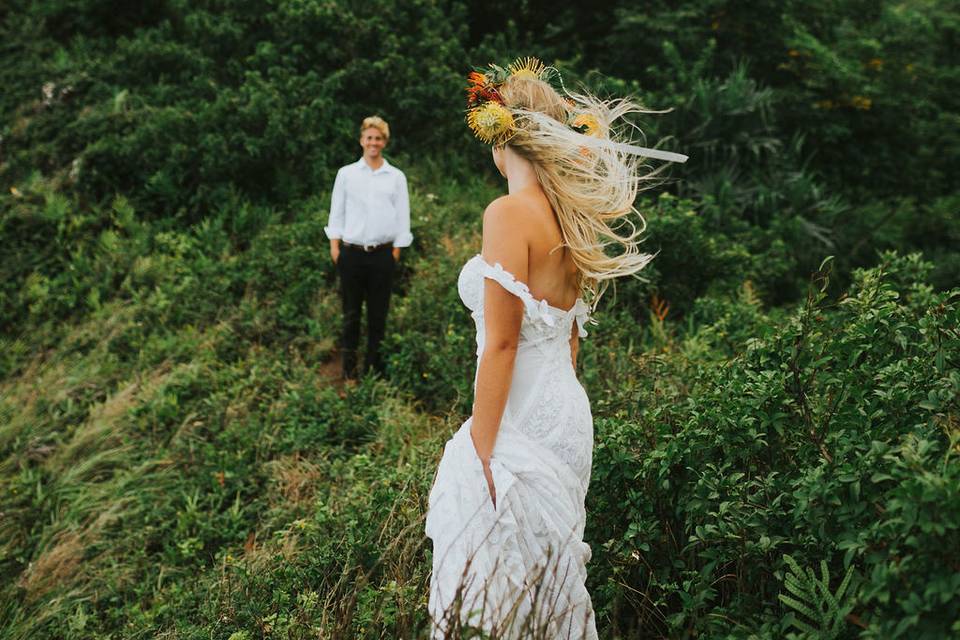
[{"x": 832, "y": 439}]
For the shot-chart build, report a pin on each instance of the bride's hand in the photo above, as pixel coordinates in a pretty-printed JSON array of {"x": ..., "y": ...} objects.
[
  {"x": 488, "y": 474},
  {"x": 485, "y": 461}
]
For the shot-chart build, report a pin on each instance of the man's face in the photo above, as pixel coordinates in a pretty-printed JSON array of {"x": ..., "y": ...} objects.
[{"x": 372, "y": 142}]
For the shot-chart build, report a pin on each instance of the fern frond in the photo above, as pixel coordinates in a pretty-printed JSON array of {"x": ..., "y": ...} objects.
[
  {"x": 827, "y": 599},
  {"x": 815, "y": 601},
  {"x": 796, "y": 587},
  {"x": 794, "y": 567},
  {"x": 798, "y": 606},
  {"x": 845, "y": 583}
]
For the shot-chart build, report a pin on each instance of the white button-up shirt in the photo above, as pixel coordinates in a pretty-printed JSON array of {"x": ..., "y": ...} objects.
[{"x": 370, "y": 207}]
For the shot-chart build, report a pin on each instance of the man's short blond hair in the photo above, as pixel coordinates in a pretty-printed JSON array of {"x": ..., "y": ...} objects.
[{"x": 378, "y": 123}]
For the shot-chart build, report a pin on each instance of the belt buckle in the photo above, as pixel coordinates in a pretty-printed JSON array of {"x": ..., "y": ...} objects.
[{"x": 369, "y": 248}]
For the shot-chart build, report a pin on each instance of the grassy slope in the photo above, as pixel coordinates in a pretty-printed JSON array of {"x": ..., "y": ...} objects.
[
  {"x": 178, "y": 468},
  {"x": 146, "y": 448}
]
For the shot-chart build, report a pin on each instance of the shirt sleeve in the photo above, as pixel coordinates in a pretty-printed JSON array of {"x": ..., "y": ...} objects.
[
  {"x": 401, "y": 201},
  {"x": 338, "y": 208}
]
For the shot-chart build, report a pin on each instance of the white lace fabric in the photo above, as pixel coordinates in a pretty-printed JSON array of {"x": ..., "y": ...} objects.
[{"x": 518, "y": 570}]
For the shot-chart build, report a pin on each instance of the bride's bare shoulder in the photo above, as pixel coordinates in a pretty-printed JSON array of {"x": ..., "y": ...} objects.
[
  {"x": 504, "y": 203},
  {"x": 507, "y": 234},
  {"x": 516, "y": 212}
]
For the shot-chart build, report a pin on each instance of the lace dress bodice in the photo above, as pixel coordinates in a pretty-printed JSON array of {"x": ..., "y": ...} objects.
[
  {"x": 542, "y": 322},
  {"x": 546, "y": 401}
]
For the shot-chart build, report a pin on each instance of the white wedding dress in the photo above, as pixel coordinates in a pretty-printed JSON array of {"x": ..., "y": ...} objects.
[{"x": 518, "y": 570}]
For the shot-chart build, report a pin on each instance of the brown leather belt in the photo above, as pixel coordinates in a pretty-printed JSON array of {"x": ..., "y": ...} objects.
[{"x": 367, "y": 248}]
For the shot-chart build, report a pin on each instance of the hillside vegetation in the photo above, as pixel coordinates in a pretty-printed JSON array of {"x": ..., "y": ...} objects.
[{"x": 775, "y": 400}]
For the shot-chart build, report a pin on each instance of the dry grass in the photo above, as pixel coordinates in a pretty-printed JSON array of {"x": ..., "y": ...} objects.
[
  {"x": 295, "y": 479},
  {"x": 283, "y": 547},
  {"x": 101, "y": 429},
  {"x": 21, "y": 394},
  {"x": 53, "y": 379},
  {"x": 92, "y": 480},
  {"x": 57, "y": 566}
]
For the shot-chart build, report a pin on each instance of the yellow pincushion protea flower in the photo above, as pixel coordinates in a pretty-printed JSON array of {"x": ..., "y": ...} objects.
[
  {"x": 588, "y": 125},
  {"x": 491, "y": 122},
  {"x": 527, "y": 68}
]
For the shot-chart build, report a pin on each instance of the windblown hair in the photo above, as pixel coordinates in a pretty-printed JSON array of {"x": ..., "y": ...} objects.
[{"x": 590, "y": 183}]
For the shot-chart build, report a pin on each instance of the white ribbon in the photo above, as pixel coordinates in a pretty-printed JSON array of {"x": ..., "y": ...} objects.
[
  {"x": 669, "y": 156},
  {"x": 646, "y": 152}
]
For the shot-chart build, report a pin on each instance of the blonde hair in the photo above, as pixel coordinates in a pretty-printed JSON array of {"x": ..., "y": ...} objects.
[
  {"x": 590, "y": 183},
  {"x": 378, "y": 123}
]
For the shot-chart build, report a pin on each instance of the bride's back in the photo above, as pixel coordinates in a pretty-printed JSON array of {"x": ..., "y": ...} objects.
[{"x": 552, "y": 273}]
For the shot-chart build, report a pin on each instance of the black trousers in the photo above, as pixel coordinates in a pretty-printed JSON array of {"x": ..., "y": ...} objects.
[{"x": 364, "y": 277}]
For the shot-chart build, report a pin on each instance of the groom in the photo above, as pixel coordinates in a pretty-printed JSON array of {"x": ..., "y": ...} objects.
[{"x": 369, "y": 224}]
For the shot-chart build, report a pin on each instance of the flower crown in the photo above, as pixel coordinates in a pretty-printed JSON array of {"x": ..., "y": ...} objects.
[{"x": 488, "y": 116}]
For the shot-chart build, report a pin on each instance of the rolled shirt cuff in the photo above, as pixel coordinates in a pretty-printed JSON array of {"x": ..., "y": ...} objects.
[
  {"x": 332, "y": 234},
  {"x": 403, "y": 240}
]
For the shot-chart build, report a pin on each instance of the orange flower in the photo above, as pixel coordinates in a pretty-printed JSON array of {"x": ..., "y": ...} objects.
[
  {"x": 480, "y": 90},
  {"x": 473, "y": 96},
  {"x": 475, "y": 78},
  {"x": 478, "y": 95}
]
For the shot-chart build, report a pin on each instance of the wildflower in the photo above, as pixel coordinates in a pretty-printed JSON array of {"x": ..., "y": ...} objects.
[
  {"x": 527, "y": 68},
  {"x": 475, "y": 78},
  {"x": 480, "y": 90},
  {"x": 475, "y": 87},
  {"x": 490, "y": 122},
  {"x": 587, "y": 124}
]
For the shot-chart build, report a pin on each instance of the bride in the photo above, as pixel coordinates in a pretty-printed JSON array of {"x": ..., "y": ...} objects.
[{"x": 506, "y": 512}]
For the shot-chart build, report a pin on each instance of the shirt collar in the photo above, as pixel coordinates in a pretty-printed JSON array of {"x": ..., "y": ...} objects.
[{"x": 384, "y": 168}]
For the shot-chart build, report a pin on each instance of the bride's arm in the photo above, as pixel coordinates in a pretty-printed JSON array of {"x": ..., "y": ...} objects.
[{"x": 505, "y": 242}]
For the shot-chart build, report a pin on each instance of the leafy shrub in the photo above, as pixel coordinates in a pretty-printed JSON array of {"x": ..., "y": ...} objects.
[{"x": 824, "y": 439}]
